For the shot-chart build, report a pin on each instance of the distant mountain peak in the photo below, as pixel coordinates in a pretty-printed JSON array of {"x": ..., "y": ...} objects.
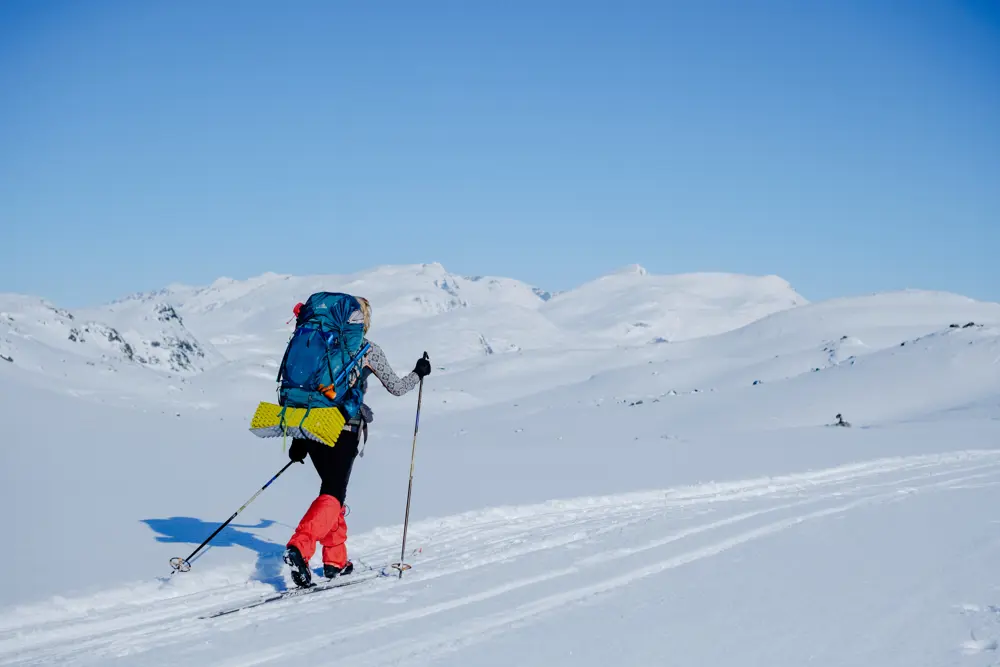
[{"x": 632, "y": 269}]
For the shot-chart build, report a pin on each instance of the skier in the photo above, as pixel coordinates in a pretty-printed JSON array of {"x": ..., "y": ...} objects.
[{"x": 324, "y": 521}]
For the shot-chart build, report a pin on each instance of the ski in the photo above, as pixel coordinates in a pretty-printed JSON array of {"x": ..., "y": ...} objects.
[{"x": 348, "y": 580}]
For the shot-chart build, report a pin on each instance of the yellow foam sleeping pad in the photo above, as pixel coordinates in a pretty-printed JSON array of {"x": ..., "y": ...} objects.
[{"x": 320, "y": 424}]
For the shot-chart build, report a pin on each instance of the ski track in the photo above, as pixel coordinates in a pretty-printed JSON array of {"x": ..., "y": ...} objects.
[
  {"x": 102, "y": 631},
  {"x": 480, "y": 629}
]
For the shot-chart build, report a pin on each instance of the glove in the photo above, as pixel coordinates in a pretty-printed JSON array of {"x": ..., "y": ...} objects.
[
  {"x": 423, "y": 367},
  {"x": 297, "y": 452}
]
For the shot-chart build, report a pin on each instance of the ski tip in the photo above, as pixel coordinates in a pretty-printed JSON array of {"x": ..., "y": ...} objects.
[{"x": 313, "y": 587}]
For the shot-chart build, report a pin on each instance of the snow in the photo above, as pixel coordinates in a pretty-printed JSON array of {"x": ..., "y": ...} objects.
[
  {"x": 581, "y": 496},
  {"x": 633, "y": 305}
]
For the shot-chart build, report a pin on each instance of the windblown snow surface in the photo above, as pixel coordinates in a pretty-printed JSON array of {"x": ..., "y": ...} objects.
[{"x": 641, "y": 471}]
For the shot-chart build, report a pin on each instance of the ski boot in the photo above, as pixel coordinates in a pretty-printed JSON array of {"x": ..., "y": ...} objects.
[
  {"x": 331, "y": 571},
  {"x": 300, "y": 568}
]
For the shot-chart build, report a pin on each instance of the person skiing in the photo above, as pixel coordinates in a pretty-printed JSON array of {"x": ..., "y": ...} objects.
[{"x": 324, "y": 521}]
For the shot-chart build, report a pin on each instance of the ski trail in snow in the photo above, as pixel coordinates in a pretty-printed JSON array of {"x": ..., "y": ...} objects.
[
  {"x": 725, "y": 522},
  {"x": 456, "y": 548},
  {"x": 674, "y": 563},
  {"x": 522, "y": 523},
  {"x": 617, "y": 554},
  {"x": 481, "y": 628}
]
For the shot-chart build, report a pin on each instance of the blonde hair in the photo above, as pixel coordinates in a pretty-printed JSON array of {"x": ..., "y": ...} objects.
[{"x": 366, "y": 310}]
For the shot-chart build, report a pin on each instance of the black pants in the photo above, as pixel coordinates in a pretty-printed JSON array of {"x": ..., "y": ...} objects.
[{"x": 334, "y": 463}]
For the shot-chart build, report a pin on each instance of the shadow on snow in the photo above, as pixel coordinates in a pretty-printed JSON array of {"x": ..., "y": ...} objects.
[{"x": 189, "y": 530}]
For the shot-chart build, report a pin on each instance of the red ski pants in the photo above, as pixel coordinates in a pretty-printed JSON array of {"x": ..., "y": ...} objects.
[{"x": 323, "y": 522}]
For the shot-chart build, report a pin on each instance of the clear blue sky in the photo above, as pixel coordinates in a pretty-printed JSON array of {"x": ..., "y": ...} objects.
[{"x": 847, "y": 146}]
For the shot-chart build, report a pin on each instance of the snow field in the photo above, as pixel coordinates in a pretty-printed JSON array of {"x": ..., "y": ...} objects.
[
  {"x": 480, "y": 576},
  {"x": 583, "y": 494}
]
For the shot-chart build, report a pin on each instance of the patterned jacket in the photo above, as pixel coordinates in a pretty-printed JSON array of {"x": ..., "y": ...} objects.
[{"x": 375, "y": 363}]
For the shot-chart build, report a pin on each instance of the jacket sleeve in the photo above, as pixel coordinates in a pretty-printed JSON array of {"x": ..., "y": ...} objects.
[{"x": 397, "y": 386}]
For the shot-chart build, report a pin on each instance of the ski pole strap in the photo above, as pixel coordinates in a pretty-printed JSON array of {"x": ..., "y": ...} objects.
[{"x": 283, "y": 427}]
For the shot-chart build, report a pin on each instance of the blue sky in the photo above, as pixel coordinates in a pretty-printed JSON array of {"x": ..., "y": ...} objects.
[{"x": 847, "y": 146}]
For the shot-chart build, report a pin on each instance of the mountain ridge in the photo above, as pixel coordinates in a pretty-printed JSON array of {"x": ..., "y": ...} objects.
[
  {"x": 179, "y": 344},
  {"x": 228, "y": 309}
]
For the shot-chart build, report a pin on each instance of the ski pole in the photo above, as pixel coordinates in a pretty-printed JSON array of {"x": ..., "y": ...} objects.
[
  {"x": 409, "y": 491},
  {"x": 184, "y": 564}
]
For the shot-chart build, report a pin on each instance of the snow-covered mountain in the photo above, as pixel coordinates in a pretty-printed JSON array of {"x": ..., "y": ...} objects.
[
  {"x": 399, "y": 294},
  {"x": 642, "y": 470},
  {"x": 39, "y": 336},
  {"x": 633, "y": 306},
  {"x": 187, "y": 330}
]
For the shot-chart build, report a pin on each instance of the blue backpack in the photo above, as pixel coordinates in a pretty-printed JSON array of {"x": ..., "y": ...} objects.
[{"x": 322, "y": 362}]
